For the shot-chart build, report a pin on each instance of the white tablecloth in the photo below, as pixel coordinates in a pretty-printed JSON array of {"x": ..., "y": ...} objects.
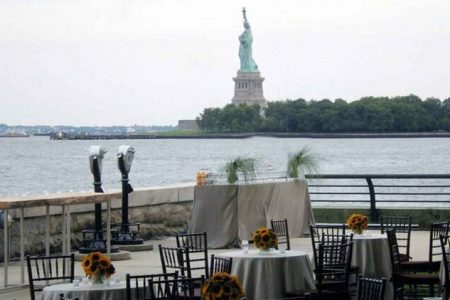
[
  {"x": 269, "y": 276},
  {"x": 371, "y": 254},
  {"x": 116, "y": 291},
  {"x": 232, "y": 212}
]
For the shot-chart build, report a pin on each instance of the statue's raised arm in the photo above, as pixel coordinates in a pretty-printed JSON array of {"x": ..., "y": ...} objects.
[{"x": 245, "y": 48}]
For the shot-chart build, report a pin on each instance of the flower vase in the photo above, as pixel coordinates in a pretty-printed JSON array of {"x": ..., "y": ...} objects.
[
  {"x": 358, "y": 231},
  {"x": 266, "y": 251},
  {"x": 97, "y": 279}
]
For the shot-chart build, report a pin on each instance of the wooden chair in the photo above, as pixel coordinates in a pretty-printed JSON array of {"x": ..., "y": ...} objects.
[
  {"x": 436, "y": 230},
  {"x": 197, "y": 244},
  {"x": 318, "y": 230},
  {"x": 176, "y": 289},
  {"x": 402, "y": 226},
  {"x": 324, "y": 232},
  {"x": 444, "y": 239},
  {"x": 138, "y": 287},
  {"x": 174, "y": 259},
  {"x": 220, "y": 264},
  {"x": 408, "y": 284},
  {"x": 280, "y": 228},
  {"x": 371, "y": 288},
  {"x": 332, "y": 272},
  {"x": 43, "y": 270}
]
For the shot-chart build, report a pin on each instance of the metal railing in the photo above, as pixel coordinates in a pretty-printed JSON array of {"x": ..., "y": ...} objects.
[{"x": 381, "y": 190}]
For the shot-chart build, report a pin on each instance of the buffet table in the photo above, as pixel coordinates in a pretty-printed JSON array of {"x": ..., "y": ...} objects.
[
  {"x": 270, "y": 275},
  {"x": 229, "y": 213}
]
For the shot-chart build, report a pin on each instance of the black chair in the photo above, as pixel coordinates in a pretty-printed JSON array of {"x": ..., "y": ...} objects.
[
  {"x": 197, "y": 244},
  {"x": 436, "y": 230},
  {"x": 402, "y": 226},
  {"x": 371, "y": 288},
  {"x": 220, "y": 264},
  {"x": 280, "y": 228},
  {"x": 318, "y": 230},
  {"x": 43, "y": 270},
  {"x": 174, "y": 259},
  {"x": 332, "y": 272},
  {"x": 176, "y": 289},
  {"x": 324, "y": 232},
  {"x": 138, "y": 287},
  {"x": 407, "y": 282},
  {"x": 444, "y": 240}
]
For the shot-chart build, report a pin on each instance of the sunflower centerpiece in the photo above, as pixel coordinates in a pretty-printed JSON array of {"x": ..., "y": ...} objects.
[
  {"x": 357, "y": 223},
  {"x": 222, "y": 286},
  {"x": 265, "y": 239},
  {"x": 97, "y": 266}
]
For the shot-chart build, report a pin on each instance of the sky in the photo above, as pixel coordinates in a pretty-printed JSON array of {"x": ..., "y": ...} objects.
[{"x": 154, "y": 62}]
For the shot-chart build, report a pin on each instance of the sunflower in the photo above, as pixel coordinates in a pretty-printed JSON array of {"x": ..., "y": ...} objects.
[
  {"x": 222, "y": 286},
  {"x": 357, "y": 222},
  {"x": 264, "y": 238},
  {"x": 97, "y": 264}
]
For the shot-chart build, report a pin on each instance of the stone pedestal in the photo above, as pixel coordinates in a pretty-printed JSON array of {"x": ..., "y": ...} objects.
[{"x": 248, "y": 89}]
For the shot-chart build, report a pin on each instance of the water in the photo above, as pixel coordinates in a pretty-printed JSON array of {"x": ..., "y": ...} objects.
[{"x": 38, "y": 165}]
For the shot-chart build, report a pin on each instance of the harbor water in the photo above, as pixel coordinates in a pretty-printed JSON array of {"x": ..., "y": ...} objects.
[{"x": 38, "y": 165}]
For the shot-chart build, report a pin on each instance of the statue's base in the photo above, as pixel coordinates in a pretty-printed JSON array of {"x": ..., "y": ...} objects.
[{"x": 248, "y": 89}]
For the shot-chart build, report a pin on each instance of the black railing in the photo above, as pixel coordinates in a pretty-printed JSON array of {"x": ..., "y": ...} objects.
[{"x": 383, "y": 190}]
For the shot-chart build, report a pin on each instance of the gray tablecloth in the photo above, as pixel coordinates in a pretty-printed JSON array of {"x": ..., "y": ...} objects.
[
  {"x": 371, "y": 254},
  {"x": 229, "y": 213},
  {"x": 269, "y": 276},
  {"x": 116, "y": 291}
]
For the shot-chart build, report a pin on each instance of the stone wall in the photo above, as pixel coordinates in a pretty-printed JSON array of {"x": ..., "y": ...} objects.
[{"x": 160, "y": 211}]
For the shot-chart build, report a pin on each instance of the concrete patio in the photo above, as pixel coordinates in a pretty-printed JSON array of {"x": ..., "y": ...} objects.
[{"x": 148, "y": 261}]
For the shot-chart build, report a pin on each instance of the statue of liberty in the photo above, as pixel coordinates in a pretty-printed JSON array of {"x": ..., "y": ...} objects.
[{"x": 245, "y": 48}]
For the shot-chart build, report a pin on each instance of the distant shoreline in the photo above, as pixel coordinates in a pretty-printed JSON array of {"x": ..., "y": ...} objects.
[{"x": 249, "y": 135}]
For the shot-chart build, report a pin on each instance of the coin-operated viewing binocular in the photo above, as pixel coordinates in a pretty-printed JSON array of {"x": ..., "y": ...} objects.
[{"x": 125, "y": 236}]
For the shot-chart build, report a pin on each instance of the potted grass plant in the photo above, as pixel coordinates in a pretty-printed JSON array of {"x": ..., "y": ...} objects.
[
  {"x": 242, "y": 165},
  {"x": 301, "y": 163}
]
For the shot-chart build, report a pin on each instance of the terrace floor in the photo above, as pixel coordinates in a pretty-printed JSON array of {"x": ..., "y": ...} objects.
[{"x": 148, "y": 262}]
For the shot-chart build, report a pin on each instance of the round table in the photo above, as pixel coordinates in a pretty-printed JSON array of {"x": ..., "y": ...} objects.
[
  {"x": 270, "y": 275},
  {"x": 371, "y": 255},
  {"x": 115, "y": 291}
]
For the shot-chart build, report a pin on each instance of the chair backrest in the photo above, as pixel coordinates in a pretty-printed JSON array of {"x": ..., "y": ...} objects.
[
  {"x": 394, "y": 253},
  {"x": 316, "y": 232},
  {"x": 371, "y": 288},
  {"x": 176, "y": 289},
  {"x": 138, "y": 287},
  {"x": 402, "y": 226},
  {"x": 44, "y": 270},
  {"x": 197, "y": 244},
  {"x": 444, "y": 239},
  {"x": 220, "y": 264},
  {"x": 334, "y": 265},
  {"x": 175, "y": 259},
  {"x": 280, "y": 228},
  {"x": 436, "y": 230}
]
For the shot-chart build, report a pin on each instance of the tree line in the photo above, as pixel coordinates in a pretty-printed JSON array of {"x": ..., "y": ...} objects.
[{"x": 368, "y": 114}]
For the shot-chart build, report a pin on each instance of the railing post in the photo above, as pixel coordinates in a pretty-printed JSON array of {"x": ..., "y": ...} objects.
[{"x": 374, "y": 214}]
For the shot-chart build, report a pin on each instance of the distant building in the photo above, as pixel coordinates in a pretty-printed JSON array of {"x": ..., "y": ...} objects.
[
  {"x": 248, "y": 84},
  {"x": 188, "y": 125}
]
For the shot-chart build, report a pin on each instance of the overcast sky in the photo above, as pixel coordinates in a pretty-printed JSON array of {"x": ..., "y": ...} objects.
[{"x": 125, "y": 62}]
